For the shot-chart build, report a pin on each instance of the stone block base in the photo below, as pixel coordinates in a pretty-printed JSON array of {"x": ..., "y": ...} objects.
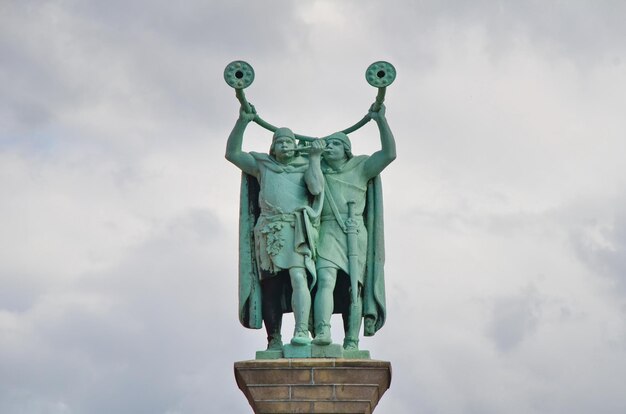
[{"x": 316, "y": 385}]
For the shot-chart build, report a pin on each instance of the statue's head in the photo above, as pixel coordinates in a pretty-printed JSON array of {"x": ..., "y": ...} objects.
[
  {"x": 338, "y": 146},
  {"x": 285, "y": 141}
]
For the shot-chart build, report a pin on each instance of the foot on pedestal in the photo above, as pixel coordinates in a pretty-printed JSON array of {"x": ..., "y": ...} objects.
[
  {"x": 274, "y": 343},
  {"x": 350, "y": 344},
  {"x": 300, "y": 337},
  {"x": 322, "y": 334}
]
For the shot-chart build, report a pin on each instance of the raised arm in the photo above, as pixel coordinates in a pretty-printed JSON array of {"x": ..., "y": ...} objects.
[
  {"x": 234, "y": 153},
  {"x": 313, "y": 176},
  {"x": 387, "y": 153}
]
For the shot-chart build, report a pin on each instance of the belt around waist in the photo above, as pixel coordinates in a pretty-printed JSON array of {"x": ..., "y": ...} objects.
[
  {"x": 328, "y": 217},
  {"x": 288, "y": 217}
]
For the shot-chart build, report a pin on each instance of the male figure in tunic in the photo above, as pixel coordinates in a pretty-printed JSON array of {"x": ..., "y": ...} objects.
[
  {"x": 352, "y": 186},
  {"x": 280, "y": 205}
]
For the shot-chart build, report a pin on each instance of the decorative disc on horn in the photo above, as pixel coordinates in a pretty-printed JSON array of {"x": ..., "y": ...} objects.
[
  {"x": 239, "y": 74},
  {"x": 380, "y": 74}
]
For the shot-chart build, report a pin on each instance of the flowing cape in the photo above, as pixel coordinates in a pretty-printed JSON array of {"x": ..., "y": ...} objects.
[
  {"x": 374, "y": 304},
  {"x": 250, "y": 314}
]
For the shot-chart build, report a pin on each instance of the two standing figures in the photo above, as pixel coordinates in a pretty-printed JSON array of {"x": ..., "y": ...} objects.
[{"x": 311, "y": 230}]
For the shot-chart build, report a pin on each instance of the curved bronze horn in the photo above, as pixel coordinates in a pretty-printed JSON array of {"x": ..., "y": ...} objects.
[
  {"x": 239, "y": 75},
  {"x": 380, "y": 75}
]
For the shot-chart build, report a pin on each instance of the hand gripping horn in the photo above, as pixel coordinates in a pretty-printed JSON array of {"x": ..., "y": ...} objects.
[{"x": 239, "y": 75}]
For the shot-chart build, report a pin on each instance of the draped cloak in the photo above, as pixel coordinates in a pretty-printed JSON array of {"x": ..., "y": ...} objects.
[
  {"x": 277, "y": 230},
  {"x": 350, "y": 184}
]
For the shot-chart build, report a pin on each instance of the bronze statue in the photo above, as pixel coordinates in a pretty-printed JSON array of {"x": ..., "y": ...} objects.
[{"x": 311, "y": 220}]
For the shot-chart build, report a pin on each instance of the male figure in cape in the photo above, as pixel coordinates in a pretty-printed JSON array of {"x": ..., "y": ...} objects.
[
  {"x": 353, "y": 200},
  {"x": 280, "y": 204}
]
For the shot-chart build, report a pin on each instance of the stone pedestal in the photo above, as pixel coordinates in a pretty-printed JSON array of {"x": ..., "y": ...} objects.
[{"x": 324, "y": 385}]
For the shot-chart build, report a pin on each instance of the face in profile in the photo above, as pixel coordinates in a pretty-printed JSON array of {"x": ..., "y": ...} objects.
[{"x": 335, "y": 150}]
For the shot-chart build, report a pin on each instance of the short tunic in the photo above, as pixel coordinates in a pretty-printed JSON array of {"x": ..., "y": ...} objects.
[
  {"x": 280, "y": 233},
  {"x": 347, "y": 184}
]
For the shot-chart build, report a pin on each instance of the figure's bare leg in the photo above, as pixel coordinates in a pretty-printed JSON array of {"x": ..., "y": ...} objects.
[
  {"x": 272, "y": 313},
  {"x": 326, "y": 278},
  {"x": 352, "y": 320},
  {"x": 301, "y": 305}
]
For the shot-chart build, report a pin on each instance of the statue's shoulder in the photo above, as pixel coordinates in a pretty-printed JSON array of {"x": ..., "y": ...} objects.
[
  {"x": 359, "y": 159},
  {"x": 261, "y": 156},
  {"x": 356, "y": 162},
  {"x": 264, "y": 160}
]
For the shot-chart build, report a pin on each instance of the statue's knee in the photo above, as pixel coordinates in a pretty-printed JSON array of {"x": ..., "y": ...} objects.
[
  {"x": 298, "y": 279},
  {"x": 326, "y": 283}
]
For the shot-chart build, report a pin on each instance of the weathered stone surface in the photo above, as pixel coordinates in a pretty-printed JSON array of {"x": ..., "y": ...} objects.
[
  {"x": 317, "y": 385},
  {"x": 372, "y": 363},
  {"x": 350, "y": 375},
  {"x": 275, "y": 376},
  {"x": 312, "y": 363},
  {"x": 312, "y": 392},
  {"x": 271, "y": 407},
  {"x": 348, "y": 407},
  {"x": 357, "y": 392},
  {"x": 263, "y": 392}
]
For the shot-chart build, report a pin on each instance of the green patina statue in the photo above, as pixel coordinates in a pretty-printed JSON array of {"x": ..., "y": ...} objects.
[
  {"x": 351, "y": 237},
  {"x": 311, "y": 224},
  {"x": 280, "y": 208}
]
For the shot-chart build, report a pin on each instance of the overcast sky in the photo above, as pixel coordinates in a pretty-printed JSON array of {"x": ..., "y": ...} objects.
[{"x": 505, "y": 209}]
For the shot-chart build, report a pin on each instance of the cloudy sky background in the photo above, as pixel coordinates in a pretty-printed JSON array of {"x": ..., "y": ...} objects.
[{"x": 505, "y": 210}]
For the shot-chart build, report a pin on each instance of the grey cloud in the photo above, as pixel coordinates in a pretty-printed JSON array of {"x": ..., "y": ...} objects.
[
  {"x": 157, "y": 60},
  {"x": 130, "y": 338},
  {"x": 213, "y": 26},
  {"x": 19, "y": 291},
  {"x": 577, "y": 30},
  {"x": 598, "y": 237},
  {"x": 30, "y": 88},
  {"x": 181, "y": 51},
  {"x": 514, "y": 318}
]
